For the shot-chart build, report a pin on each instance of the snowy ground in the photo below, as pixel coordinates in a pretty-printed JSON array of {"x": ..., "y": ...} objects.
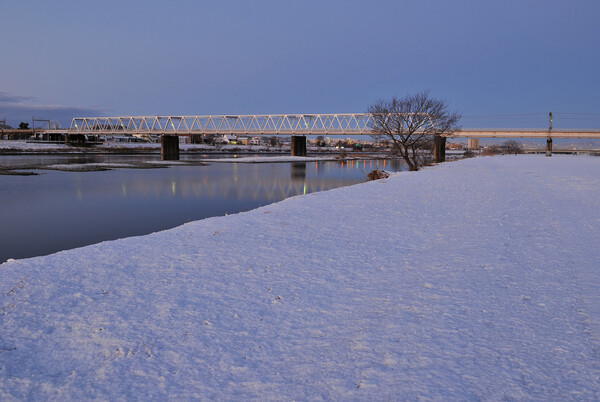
[{"x": 475, "y": 279}]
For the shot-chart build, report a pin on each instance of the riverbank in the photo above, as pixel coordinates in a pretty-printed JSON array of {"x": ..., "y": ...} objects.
[{"x": 475, "y": 279}]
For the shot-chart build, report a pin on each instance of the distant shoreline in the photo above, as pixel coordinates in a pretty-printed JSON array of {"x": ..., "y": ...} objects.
[{"x": 17, "y": 147}]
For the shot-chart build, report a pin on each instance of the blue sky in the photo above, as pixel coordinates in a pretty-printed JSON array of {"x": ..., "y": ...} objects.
[{"x": 508, "y": 63}]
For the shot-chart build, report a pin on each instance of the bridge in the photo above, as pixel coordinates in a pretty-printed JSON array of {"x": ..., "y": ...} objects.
[
  {"x": 295, "y": 125},
  {"x": 277, "y": 124}
]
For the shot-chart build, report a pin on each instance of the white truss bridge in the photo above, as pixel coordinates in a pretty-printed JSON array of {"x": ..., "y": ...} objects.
[
  {"x": 276, "y": 124},
  {"x": 273, "y": 124}
]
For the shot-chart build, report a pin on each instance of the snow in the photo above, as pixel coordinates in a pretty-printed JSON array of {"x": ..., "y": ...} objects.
[
  {"x": 88, "y": 166},
  {"x": 78, "y": 167},
  {"x": 275, "y": 159},
  {"x": 26, "y": 147},
  {"x": 6, "y": 145},
  {"x": 475, "y": 279}
]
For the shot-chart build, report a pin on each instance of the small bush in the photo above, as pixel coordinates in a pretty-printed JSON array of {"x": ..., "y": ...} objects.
[{"x": 377, "y": 174}]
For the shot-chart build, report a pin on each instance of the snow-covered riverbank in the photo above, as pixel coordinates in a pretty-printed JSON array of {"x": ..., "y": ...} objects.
[{"x": 476, "y": 279}]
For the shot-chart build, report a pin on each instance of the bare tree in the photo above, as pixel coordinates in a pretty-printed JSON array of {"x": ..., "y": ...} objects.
[{"x": 411, "y": 123}]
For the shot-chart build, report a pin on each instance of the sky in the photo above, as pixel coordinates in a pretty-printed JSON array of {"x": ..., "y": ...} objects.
[{"x": 498, "y": 63}]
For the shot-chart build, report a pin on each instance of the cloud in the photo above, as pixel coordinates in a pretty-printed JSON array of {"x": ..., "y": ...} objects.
[
  {"x": 16, "y": 108},
  {"x": 8, "y": 98}
]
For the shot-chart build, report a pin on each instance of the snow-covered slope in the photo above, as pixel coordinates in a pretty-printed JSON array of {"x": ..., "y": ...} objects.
[{"x": 476, "y": 279}]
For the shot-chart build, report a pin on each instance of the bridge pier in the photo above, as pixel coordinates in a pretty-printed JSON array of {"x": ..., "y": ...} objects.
[
  {"x": 169, "y": 147},
  {"x": 298, "y": 147},
  {"x": 75, "y": 138},
  {"x": 439, "y": 149},
  {"x": 549, "y": 147}
]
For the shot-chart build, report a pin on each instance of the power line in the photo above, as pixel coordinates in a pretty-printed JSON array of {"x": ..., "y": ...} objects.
[
  {"x": 579, "y": 113},
  {"x": 580, "y": 118},
  {"x": 507, "y": 115}
]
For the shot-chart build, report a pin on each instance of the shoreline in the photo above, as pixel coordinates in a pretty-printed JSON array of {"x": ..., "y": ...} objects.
[{"x": 21, "y": 147}]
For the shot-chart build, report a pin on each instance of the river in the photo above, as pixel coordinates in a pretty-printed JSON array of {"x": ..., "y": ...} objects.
[{"x": 57, "y": 210}]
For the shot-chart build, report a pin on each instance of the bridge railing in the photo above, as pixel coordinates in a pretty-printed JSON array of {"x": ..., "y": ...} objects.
[{"x": 278, "y": 124}]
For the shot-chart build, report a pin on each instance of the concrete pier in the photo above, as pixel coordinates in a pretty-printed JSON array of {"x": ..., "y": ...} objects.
[
  {"x": 169, "y": 147},
  {"x": 439, "y": 149},
  {"x": 298, "y": 145}
]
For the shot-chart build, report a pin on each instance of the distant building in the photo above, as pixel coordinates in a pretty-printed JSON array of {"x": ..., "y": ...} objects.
[
  {"x": 225, "y": 139},
  {"x": 259, "y": 141},
  {"x": 243, "y": 140},
  {"x": 473, "y": 144},
  {"x": 454, "y": 145}
]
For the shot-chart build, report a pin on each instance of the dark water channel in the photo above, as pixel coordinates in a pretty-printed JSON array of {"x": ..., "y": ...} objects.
[{"x": 58, "y": 210}]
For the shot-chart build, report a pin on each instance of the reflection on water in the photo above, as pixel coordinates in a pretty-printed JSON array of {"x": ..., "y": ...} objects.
[
  {"x": 298, "y": 172},
  {"x": 61, "y": 210}
]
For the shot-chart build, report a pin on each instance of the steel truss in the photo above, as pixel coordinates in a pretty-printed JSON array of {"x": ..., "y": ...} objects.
[{"x": 280, "y": 124}]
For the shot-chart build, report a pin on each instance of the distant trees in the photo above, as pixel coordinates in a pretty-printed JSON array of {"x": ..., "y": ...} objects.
[
  {"x": 410, "y": 124},
  {"x": 507, "y": 147},
  {"x": 273, "y": 141},
  {"x": 23, "y": 126},
  {"x": 512, "y": 147}
]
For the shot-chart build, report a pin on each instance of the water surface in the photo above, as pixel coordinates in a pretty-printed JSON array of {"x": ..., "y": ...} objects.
[{"x": 58, "y": 210}]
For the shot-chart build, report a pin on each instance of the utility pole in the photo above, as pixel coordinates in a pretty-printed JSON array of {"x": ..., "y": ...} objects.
[
  {"x": 42, "y": 120},
  {"x": 549, "y": 139},
  {"x": 3, "y": 124}
]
